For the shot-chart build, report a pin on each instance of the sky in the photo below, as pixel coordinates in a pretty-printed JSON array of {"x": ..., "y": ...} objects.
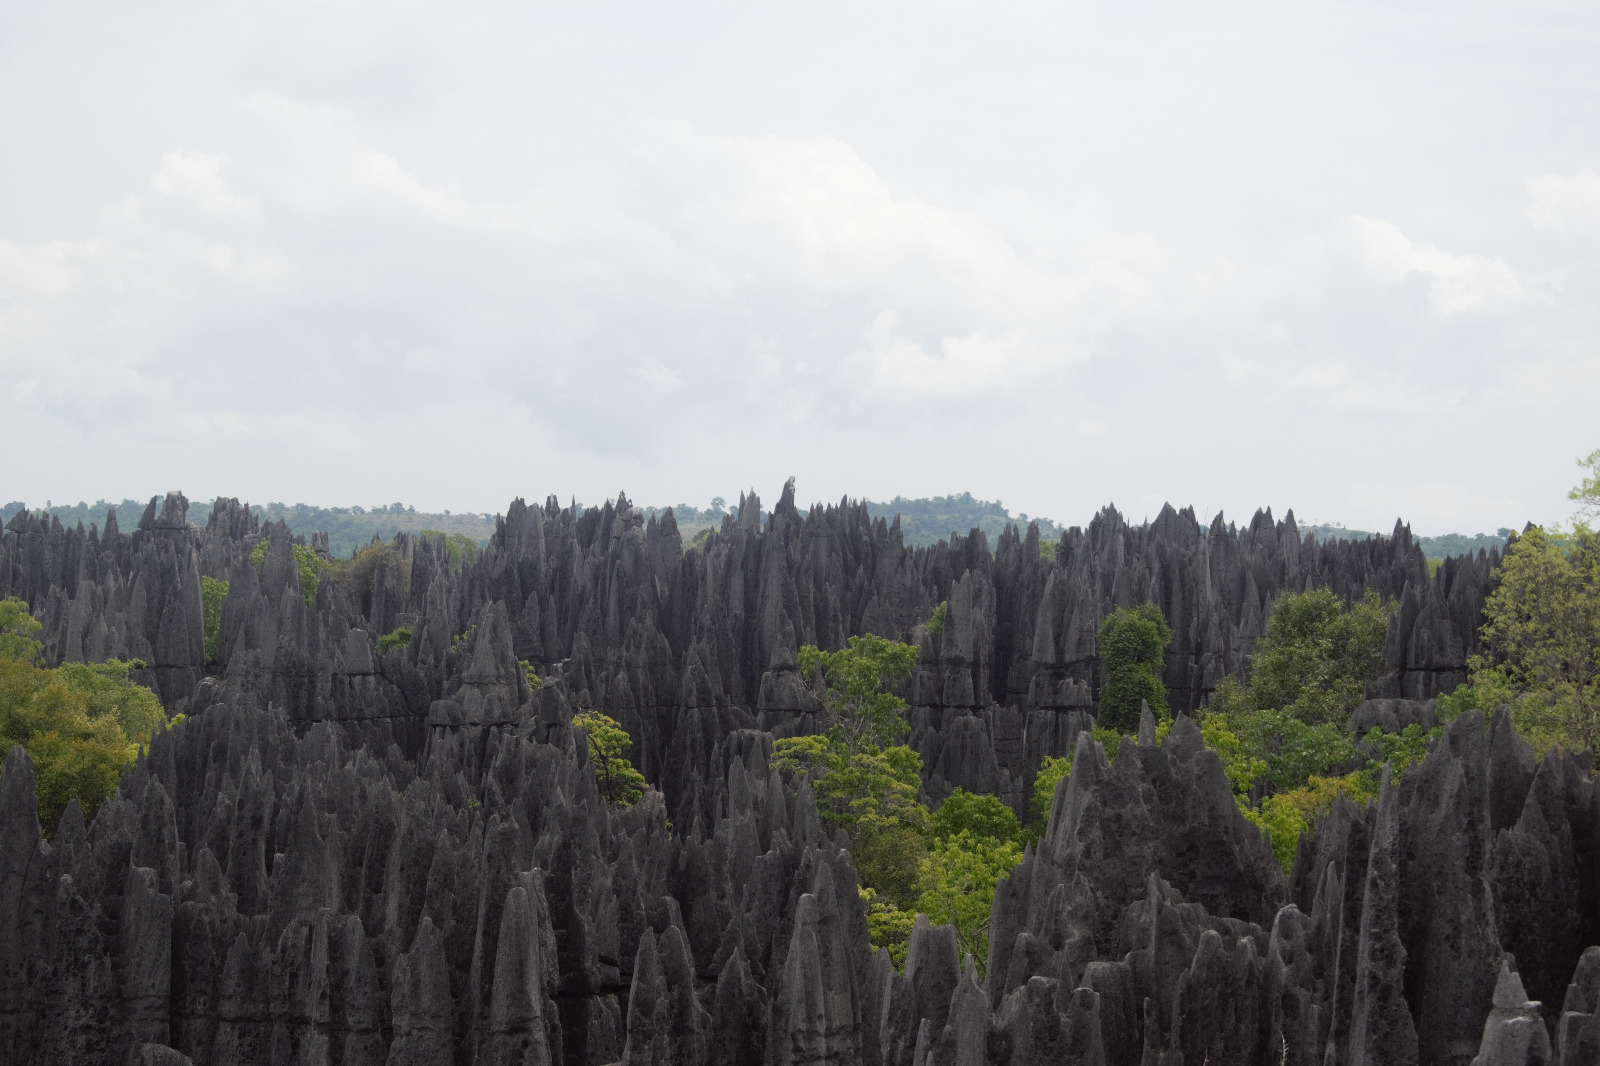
[{"x": 1337, "y": 257}]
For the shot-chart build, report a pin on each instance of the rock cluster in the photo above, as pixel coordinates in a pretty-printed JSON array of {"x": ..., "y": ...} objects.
[
  {"x": 684, "y": 648},
  {"x": 348, "y": 855}
]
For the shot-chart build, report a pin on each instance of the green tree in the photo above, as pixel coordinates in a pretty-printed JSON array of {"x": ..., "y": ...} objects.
[
  {"x": 19, "y": 631},
  {"x": 958, "y": 878},
  {"x": 1056, "y": 767},
  {"x": 1586, "y": 494},
  {"x": 1284, "y": 736},
  {"x": 1132, "y": 643},
  {"x": 306, "y": 561},
  {"x": 461, "y": 549},
  {"x": 620, "y": 784},
  {"x": 865, "y": 781},
  {"x": 974, "y": 840},
  {"x": 1317, "y": 655},
  {"x": 80, "y": 723},
  {"x": 857, "y": 707},
  {"x": 971, "y": 812},
  {"x": 212, "y": 595},
  {"x": 109, "y": 691},
  {"x": 1542, "y": 631},
  {"x": 870, "y": 793}
]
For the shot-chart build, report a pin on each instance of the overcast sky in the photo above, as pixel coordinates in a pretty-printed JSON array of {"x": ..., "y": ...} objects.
[{"x": 1343, "y": 258}]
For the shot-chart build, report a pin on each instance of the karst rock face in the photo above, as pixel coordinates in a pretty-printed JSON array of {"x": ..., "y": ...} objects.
[{"x": 347, "y": 855}]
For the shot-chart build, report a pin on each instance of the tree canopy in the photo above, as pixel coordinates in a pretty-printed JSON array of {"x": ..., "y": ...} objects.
[
  {"x": 1132, "y": 644},
  {"x": 1284, "y": 735},
  {"x": 1542, "y": 632},
  {"x": 80, "y": 722}
]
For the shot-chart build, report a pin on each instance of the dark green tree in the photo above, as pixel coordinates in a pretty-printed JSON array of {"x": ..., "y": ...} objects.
[{"x": 1133, "y": 655}]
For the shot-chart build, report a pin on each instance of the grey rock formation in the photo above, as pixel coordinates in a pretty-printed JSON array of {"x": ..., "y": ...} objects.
[
  {"x": 361, "y": 857},
  {"x": 1515, "y": 1034}
]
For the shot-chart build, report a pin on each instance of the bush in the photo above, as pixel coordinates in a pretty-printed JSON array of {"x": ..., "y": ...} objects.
[{"x": 398, "y": 637}]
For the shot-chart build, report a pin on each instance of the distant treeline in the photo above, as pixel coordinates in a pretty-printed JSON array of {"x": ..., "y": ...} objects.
[
  {"x": 923, "y": 521},
  {"x": 927, "y": 521},
  {"x": 1434, "y": 548},
  {"x": 349, "y": 528}
]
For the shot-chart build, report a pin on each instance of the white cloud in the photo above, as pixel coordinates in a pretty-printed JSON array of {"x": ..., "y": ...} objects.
[
  {"x": 197, "y": 177},
  {"x": 1459, "y": 282},
  {"x": 1567, "y": 203}
]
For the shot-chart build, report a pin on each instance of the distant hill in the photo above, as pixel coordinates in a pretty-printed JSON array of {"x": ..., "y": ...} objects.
[
  {"x": 1434, "y": 548},
  {"x": 923, "y": 521},
  {"x": 932, "y": 519},
  {"x": 348, "y": 528}
]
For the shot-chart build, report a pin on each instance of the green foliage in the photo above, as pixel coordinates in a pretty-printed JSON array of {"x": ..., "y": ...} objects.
[
  {"x": 535, "y": 682},
  {"x": 360, "y": 574},
  {"x": 306, "y": 561},
  {"x": 871, "y": 794},
  {"x": 958, "y": 878},
  {"x": 1054, "y": 768},
  {"x": 1542, "y": 630},
  {"x": 865, "y": 782},
  {"x": 80, "y": 722},
  {"x": 975, "y": 814},
  {"x": 855, "y": 706},
  {"x": 461, "y": 549},
  {"x": 928, "y": 520},
  {"x": 461, "y": 638},
  {"x": 310, "y": 565},
  {"x": 1586, "y": 494},
  {"x": 1316, "y": 656},
  {"x": 19, "y": 631},
  {"x": 109, "y": 691},
  {"x": 1434, "y": 549},
  {"x": 399, "y": 637},
  {"x": 888, "y": 926},
  {"x": 212, "y": 594},
  {"x": 702, "y": 539},
  {"x": 619, "y": 783},
  {"x": 1132, "y": 643},
  {"x": 1284, "y": 737},
  {"x": 1288, "y": 750},
  {"x": 944, "y": 864},
  {"x": 935, "y": 623},
  {"x": 1052, "y": 772}
]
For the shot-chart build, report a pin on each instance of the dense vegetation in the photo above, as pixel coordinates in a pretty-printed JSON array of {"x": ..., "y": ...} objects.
[
  {"x": 942, "y": 863},
  {"x": 1542, "y": 629},
  {"x": 1284, "y": 735},
  {"x": 80, "y": 722}
]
